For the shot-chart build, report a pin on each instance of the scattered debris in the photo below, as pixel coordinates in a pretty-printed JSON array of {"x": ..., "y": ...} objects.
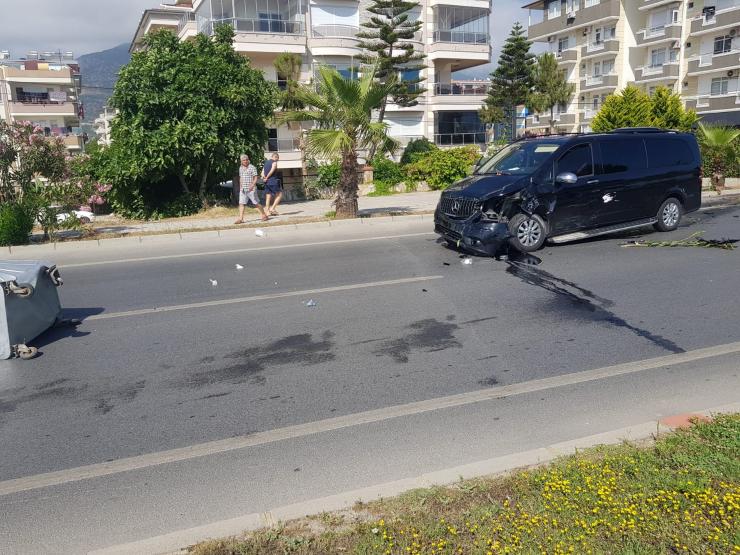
[
  {"x": 213, "y": 282},
  {"x": 467, "y": 261},
  {"x": 310, "y": 303},
  {"x": 276, "y": 283},
  {"x": 424, "y": 290},
  {"x": 239, "y": 267},
  {"x": 259, "y": 232},
  {"x": 445, "y": 263},
  {"x": 693, "y": 240}
]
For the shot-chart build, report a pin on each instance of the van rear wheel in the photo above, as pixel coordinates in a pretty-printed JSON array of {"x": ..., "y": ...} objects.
[
  {"x": 669, "y": 215},
  {"x": 528, "y": 232}
]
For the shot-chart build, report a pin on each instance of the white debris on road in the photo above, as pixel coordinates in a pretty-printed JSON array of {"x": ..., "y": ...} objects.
[
  {"x": 239, "y": 267},
  {"x": 310, "y": 302},
  {"x": 259, "y": 233},
  {"x": 467, "y": 261},
  {"x": 213, "y": 282}
]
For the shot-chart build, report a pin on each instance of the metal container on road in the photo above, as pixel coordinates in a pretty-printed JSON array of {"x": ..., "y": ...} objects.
[{"x": 29, "y": 304}]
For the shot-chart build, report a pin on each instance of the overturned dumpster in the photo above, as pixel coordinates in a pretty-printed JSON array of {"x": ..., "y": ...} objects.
[{"x": 29, "y": 304}]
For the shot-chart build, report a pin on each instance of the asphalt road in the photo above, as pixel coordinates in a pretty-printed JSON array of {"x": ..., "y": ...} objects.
[{"x": 165, "y": 360}]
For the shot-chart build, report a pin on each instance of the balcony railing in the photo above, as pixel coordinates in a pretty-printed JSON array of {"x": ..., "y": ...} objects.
[
  {"x": 320, "y": 31},
  {"x": 449, "y": 139},
  {"x": 283, "y": 145},
  {"x": 461, "y": 88},
  {"x": 461, "y": 37},
  {"x": 594, "y": 80},
  {"x": 186, "y": 18},
  {"x": 240, "y": 25},
  {"x": 595, "y": 46}
]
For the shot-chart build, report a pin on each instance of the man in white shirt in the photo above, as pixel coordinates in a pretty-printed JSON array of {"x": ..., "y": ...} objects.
[{"x": 248, "y": 189}]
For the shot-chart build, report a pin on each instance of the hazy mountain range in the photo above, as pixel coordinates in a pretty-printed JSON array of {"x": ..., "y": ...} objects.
[{"x": 99, "y": 74}]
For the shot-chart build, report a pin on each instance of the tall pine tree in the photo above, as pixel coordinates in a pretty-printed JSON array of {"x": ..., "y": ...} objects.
[
  {"x": 386, "y": 45},
  {"x": 550, "y": 87},
  {"x": 511, "y": 81}
]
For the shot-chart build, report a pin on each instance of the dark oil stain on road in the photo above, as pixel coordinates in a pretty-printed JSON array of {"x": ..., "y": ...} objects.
[
  {"x": 108, "y": 400},
  {"x": 55, "y": 393},
  {"x": 424, "y": 335},
  {"x": 489, "y": 382},
  {"x": 301, "y": 349},
  {"x": 49, "y": 385},
  {"x": 575, "y": 301}
]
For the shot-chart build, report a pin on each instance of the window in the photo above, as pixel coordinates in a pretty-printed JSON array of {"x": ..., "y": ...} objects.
[
  {"x": 563, "y": 43},
  {"x": 657, "y": 57},
  {"x": 720, "y": 85},
  {"x": 598, "y": 36},
  {"x": 553, "y": 9},
  {"x": 622, "y": 155},
  {"x": 596, "y": 102},
  {"x": 666, "y": 153},
  {"x": 607, "y": 67},
  {"x": 610, "y": 33},
  {"x": 571, "y": 5},
  {"x": 651, "y": 90},
  {"x": 578, "y": 160},
  {"x": 590, "y": 3},
  {"x": 674, "y": 16},
  {"x": 272, "y": 140},
  {"x": 596, "y": 69},
  {"x": 673, "y": 55},
  {"x": 658, "y": 20},
  {"x": 722, "y": 44}
]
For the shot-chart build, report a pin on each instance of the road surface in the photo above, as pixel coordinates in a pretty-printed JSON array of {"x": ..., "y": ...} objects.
[{"x": 198, "y": 403}]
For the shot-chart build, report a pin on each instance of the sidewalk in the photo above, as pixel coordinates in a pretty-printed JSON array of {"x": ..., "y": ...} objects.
[{"x": 290, "y": 213}]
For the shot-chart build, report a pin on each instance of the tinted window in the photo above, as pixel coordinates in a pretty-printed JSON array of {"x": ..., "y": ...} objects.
[
  {"x": 665, "y": 153},
  {"x": 623, "y": 155},
  {"x": 578, "y": 160}
]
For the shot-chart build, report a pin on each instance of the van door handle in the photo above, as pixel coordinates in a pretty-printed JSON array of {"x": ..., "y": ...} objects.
[{"x": 592, "y": 182}]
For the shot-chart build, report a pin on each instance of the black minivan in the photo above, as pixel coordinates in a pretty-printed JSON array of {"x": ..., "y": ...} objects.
[{"x": 570, "y": 187}]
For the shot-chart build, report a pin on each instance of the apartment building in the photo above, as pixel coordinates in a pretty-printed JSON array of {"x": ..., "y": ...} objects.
[
  {"x": 454, "y": 36},
  {"x": 604, "y": 45},
  {"x": 43, "y": 88}
]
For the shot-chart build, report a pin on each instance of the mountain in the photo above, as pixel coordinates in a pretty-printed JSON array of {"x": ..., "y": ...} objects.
[{"x": 99, "y": 75}]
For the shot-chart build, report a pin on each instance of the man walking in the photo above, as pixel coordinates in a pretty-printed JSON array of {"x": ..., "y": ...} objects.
[
  {"x": 272, "y": 184},
  {"x": 248, "y": 189}
]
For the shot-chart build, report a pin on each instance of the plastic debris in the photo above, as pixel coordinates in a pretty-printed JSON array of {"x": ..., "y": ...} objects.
[
  {"x": 693, "y": 240},
  {"x": 445, "y": 263},
  {"x": 259, "y": 232},
  {"x": 467, "y": 261},
  {"x": 310, "y": 302},
  {"x": 276, "y": 283},
  {"x": 213, "y": 282},
  {"x": 239, "y": 267}
]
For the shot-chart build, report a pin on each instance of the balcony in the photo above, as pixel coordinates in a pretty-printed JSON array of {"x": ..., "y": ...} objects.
[
  {"x": 187, "y": 27},
  {"x": 461, "y": 88},
  {"x": 707, "y": 63},
  {"x": 664, "y": 71},
  {"x": 708, "y": 103},
  {"x": 73, "y": 142},
  {"x": 460, "y": 139},
  {"x": 590, "y": 113},
  {"x": 558, "y": 120},
  {"x": 335, "y": 40},
  {"x": 289, "y": 150},
  {"x": 61, "y": 76},
  {"x": 648, "y": 4},
  {"x": 461, "y": 37},
  {"x": 597, "y": 49},
  {"x": 569, "y": 56},
  {"x": 659, "y": 34},
  {"x": 32, "y": 109},
  {"x": 594, "y": 82},
  {"x": 726, "y": 17},
  {"x": 606, "y": 9}
]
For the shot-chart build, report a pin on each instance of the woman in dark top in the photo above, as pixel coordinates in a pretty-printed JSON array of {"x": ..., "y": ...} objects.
[{"x": 272, "y": 184}]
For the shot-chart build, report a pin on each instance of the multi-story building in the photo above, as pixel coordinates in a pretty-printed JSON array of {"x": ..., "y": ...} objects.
[
  {"x": 604, "y": 45},
  {"x": 454, "y": 36},
  {"x": 43, "y": 88}
]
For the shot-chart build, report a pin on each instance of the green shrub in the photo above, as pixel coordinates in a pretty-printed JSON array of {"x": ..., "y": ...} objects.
[
  {"x": 185, "y": 205},
  {"x": 386, "y": 175},
  {"x": 441, "y": 168},
  {"x": 327, "y": 175},
  {"x": 415, "y": 149},
  {"x": 16, "y": 223}
]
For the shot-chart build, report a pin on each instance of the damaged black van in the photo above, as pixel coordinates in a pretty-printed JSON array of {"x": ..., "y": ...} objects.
[{"x": 570, "y": 187}]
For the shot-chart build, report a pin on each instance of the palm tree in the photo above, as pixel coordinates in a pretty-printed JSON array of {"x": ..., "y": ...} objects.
[
  {"x": 342, "y": 111},
  {"x": 718, "y": 142}
]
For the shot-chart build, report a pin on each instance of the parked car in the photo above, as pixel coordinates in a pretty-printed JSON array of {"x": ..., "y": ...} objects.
[
  {"x": 84, "y": 216},
  {"x": 570, "y": 187}
]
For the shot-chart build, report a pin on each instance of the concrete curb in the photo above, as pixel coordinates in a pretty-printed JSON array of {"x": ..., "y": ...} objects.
[{"x": 174, "y": 542}]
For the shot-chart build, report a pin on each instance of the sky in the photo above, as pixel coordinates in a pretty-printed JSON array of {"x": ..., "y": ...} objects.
[{"x": 84, "y": 26}]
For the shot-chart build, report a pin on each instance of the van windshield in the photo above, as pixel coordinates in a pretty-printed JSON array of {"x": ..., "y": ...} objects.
[{"x": 518, "y": 158}]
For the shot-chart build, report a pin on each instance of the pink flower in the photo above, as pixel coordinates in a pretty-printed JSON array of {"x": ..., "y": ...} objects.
[{"x": 96, "y": 199}]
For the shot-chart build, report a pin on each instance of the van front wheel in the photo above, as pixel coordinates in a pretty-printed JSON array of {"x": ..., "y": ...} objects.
[
  {"x": 669, "y": 215},
  {"x": 528, "y": 233}
]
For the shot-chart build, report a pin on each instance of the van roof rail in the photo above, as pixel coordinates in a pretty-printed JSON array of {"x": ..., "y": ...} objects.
[{"x": 639, "y": 130}]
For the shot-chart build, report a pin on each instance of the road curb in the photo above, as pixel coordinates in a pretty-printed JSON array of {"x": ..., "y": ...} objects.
[{"x": 174, "y": 542}]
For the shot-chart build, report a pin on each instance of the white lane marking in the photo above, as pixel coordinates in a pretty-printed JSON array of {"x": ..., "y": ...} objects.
[
  {"x": 266, "y": 297},
  {"x": 91, "y": 471},
  {"x": 173, "y": 542},
  {"x": 246, "y": 249}
]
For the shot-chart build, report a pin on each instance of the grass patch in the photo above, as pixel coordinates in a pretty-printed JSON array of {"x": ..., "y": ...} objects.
[
  {"x": 681, "y": 495},
  {"x": 331, "y": 214}
]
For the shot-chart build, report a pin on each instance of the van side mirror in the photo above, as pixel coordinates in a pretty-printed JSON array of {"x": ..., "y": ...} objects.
[{"x": 566, "y": 178}]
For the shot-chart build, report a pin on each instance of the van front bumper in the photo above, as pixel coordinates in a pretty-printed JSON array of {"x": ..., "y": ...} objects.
[{"x": 474, "y": 234}]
